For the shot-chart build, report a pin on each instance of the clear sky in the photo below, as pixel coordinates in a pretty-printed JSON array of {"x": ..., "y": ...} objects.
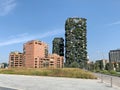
[{"x": 24, "y": 20}]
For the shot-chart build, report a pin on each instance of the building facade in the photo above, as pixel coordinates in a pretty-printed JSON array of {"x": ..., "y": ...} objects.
[
  {"x": 35, "y": 55},
  {"x": 53, "y": 61},
  {"x": 101, "y": 63},
  {"x": 16, "y": 59},
  {"x": 58, "y": 46},
  {"x": 2, "y": 65},
  {"x": 56, "y": 61},
  {"x": 75, "y": 41},
  {"x": 33, "y": 51},
  {"x": 114, "y": 56}
]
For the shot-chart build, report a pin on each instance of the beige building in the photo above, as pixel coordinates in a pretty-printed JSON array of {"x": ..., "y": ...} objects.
[
  {"x": 33, "y": 51},
  {"x": 102, "y": 63},
  {"x": 1, "y": 65},
  {"x": 16, "y": 59}
]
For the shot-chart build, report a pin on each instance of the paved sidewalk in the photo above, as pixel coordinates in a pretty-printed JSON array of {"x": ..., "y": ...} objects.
[
  {"x": 3, "y": 88},
  {"x": 21, "y": 82},
  {"x": 108, "y": 79}
]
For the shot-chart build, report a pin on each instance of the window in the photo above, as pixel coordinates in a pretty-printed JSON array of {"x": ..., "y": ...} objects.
[
  {"x": 35, "y": 66},
  {"x": 39, "y": 43}
]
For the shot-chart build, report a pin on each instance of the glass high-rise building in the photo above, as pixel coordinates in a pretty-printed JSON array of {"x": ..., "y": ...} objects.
[
  {"x": 114, "y": 56},
  {"x": 75, "y": 41},
  {"x": 58, "y": 46}
]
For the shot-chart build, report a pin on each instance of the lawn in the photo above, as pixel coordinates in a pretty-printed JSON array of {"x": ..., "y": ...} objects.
[{"x": 63, "y": 72}]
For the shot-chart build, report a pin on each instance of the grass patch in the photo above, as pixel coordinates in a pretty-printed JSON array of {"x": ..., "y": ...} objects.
[
  {"x": 111, "y": 72},
  {"x": 63, "y": 72}
]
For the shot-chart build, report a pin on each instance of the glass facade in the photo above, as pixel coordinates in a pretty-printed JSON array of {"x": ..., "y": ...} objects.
[{"x": 114, "y": 56}]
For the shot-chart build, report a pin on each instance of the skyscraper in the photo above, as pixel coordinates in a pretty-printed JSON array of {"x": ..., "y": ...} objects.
[
  {"x": 114, "y": 56},
  {"x": 75, "y": 41},
  {"x": 58, "y": 46}
]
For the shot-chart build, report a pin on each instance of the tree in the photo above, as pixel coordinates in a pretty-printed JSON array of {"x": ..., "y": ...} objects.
[
  {"x": 5, "y": 65},
  {"x": 109, "y": 66},
  {"x": 118, "y": 67},
  {"x": 97, "y": 66},
  {"x": 74, "y": 65},
  {"x": 91, "y": 66}
]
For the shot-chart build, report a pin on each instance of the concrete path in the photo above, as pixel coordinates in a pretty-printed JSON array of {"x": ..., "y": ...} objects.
[
  {"x": 21, "y": 82},
  {"x": 109, "y": 79},
  {"x": 3, "y": 88}
]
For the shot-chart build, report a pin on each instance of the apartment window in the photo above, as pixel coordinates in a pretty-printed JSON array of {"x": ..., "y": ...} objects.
[
  {"x": 30, "y": 43},
  {"x": 35, "y": 66},
  {"x": 39, "y": 43},
  {"x": 52, "y": 57}
]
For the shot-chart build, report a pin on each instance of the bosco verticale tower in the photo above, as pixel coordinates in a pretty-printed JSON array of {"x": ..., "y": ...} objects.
[
  {"x": 75, "y": 42},
  {"x": 58, "y": 46}
]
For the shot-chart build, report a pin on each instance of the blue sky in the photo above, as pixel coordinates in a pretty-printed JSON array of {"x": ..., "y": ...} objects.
[{"x": 24, "y": 20}]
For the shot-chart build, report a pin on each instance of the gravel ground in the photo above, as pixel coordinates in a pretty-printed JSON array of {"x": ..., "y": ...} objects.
[{"x": 21, "y": 82}]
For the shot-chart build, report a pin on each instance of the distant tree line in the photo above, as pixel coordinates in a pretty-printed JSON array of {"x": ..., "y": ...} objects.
[{"x": 98, "y": 66}]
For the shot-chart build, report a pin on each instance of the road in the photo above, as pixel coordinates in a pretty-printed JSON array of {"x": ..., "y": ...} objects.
[
  {"x": 3, "y": 88},
  {"x": 21, "y": 82},
  {"x": 107, "y": 79}
]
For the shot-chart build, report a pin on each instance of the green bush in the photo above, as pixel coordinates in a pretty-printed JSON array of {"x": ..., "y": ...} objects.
[
  {"x": 113, "y": 72},
  {"x": 74, "y": 65},
  {"x": 105, "y": 72}
]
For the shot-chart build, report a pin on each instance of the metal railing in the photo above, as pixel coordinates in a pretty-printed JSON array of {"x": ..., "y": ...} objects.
[{"x": 109, "y": 80}]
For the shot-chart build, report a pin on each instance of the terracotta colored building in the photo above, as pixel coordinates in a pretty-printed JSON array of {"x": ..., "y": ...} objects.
[
  {"x": 35, "y": 55},
  {"x": 16, "y": 59},
  {"x": 53, "y": 61},
  {"x": 56, "y": 61},
  {"x": 33, "y": 51}
]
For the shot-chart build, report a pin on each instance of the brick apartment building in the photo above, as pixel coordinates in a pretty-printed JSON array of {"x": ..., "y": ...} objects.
[
  {"x": 16, "y": 59},
  {"x": 53, "y": 61},
  {"x": 35, "y": 55},
  {"x": 56, "y": 61},
  {"x": 33, "y": 51}
]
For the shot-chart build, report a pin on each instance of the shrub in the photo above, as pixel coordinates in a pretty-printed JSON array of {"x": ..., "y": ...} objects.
[
  {"x": 74, "y": 65},
  {"x": 113, "y": 72},
  {"x": 105, "y": 72}
]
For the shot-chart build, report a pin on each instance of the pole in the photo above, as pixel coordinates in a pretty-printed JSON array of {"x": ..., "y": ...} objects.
[
  {"x": 111, "y": 81},
  {"x": 101, "y": 78}
]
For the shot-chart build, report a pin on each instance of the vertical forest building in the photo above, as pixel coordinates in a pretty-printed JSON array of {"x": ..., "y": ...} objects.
[
  {"x": 58, "y": 46},
  {"x": 75, "y": 41}
]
